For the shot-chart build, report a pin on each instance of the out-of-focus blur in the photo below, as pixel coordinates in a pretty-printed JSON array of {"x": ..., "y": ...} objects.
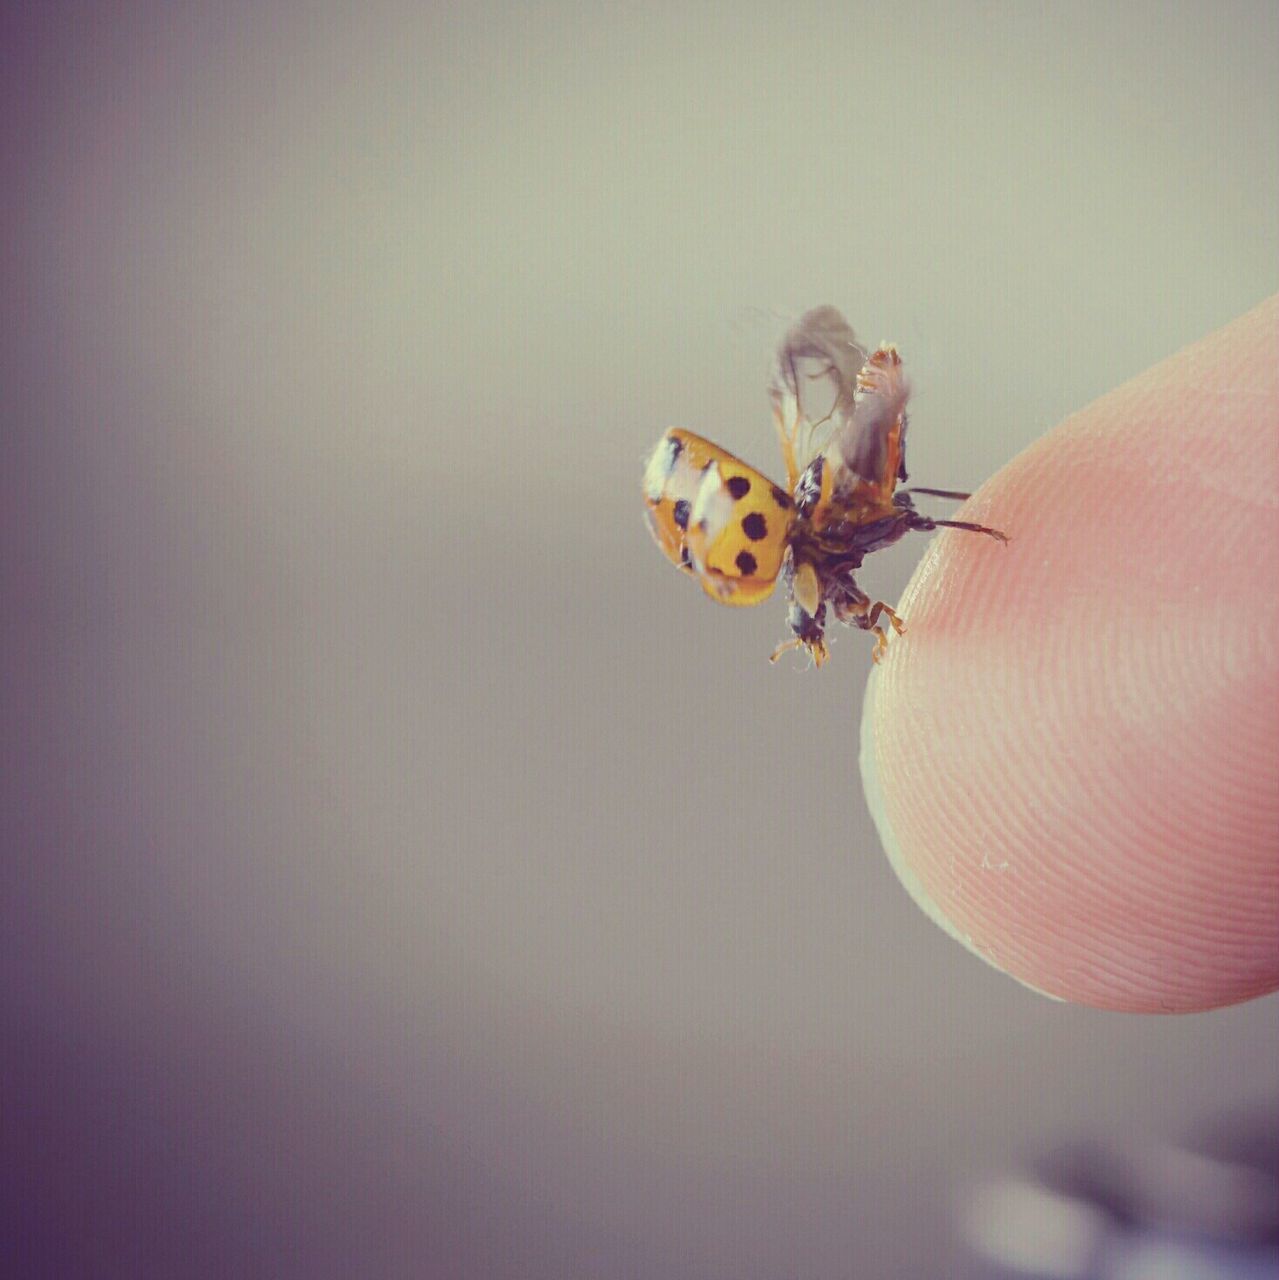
[
  {"x": 1204, "y": 1208},
  {"x": 406, "y": 873}
]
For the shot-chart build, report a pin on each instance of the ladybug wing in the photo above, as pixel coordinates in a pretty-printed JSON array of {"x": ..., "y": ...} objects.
[
  {"x": 820, "y": 344},
  {"x": 822, "y": 335},
  {"x": 869, "y": 443},
  {"x": 716, "y": 517}
]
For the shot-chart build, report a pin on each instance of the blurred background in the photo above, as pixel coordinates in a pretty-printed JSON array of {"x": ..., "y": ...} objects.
[{"x": 406, "y": 872}]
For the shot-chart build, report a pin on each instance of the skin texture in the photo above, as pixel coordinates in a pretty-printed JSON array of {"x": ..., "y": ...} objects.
[{"x": 1072, "y": 753}]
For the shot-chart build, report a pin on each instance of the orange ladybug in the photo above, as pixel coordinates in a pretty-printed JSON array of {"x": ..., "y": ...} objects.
[{"x": 736, "y": 531}]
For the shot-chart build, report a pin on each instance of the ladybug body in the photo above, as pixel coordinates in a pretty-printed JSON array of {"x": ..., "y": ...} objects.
[{"x": 737, "y": 532}]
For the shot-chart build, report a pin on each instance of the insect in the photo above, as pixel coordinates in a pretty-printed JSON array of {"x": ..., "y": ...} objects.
[{"x": 737, "y": 532}]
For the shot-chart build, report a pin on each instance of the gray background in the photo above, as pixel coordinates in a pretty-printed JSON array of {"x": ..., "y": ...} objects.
[{"x": 409, "y": 873}]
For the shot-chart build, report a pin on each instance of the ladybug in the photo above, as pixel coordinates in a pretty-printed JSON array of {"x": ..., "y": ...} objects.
[{"x": 737, "y": 532}]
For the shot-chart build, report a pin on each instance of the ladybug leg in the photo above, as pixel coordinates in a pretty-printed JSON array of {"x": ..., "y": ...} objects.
[
  {"x": 880, "y": 651},
  {"x": 851, "y": 604},
  {"x": 938, "y": 493},
  {"x": 924, "y": 523},
  {"x": 974, "y": 528},
  {"x": 785, "y": 647},
  {"x": 816, "y": 648},
  {"x": 881, "y": 640},
  {"x": 880, "y": 607},
  {"x": 862, "y": 613}
]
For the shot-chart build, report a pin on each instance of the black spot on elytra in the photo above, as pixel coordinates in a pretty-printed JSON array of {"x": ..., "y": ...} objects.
[
  {"x": 755, "y": 526},
  {"x": 681, "y": 513},
  {"x": 746, "y": 563},
  {"x": 781, "y": 497},
  {"x": 685, "y": 560},
  {"x": 739, "y": 487},
  {"x": 677, "y": 447}
]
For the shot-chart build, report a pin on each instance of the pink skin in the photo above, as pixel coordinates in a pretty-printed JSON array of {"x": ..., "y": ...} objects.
[{"x": 1073, "y": 753}]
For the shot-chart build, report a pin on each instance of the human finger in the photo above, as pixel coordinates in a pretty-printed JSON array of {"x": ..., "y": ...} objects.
[{"x": 1071, "y": 753}]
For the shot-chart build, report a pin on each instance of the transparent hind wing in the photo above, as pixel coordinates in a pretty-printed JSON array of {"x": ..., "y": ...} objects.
[{"x": 819, "y": 345}]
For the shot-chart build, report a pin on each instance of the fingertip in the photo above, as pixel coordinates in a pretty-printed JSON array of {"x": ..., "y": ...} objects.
[
  {"x": 875, "y": 803},
  {"x": 1070, "y": 762},
  {"x": 902, "y": 866}
]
